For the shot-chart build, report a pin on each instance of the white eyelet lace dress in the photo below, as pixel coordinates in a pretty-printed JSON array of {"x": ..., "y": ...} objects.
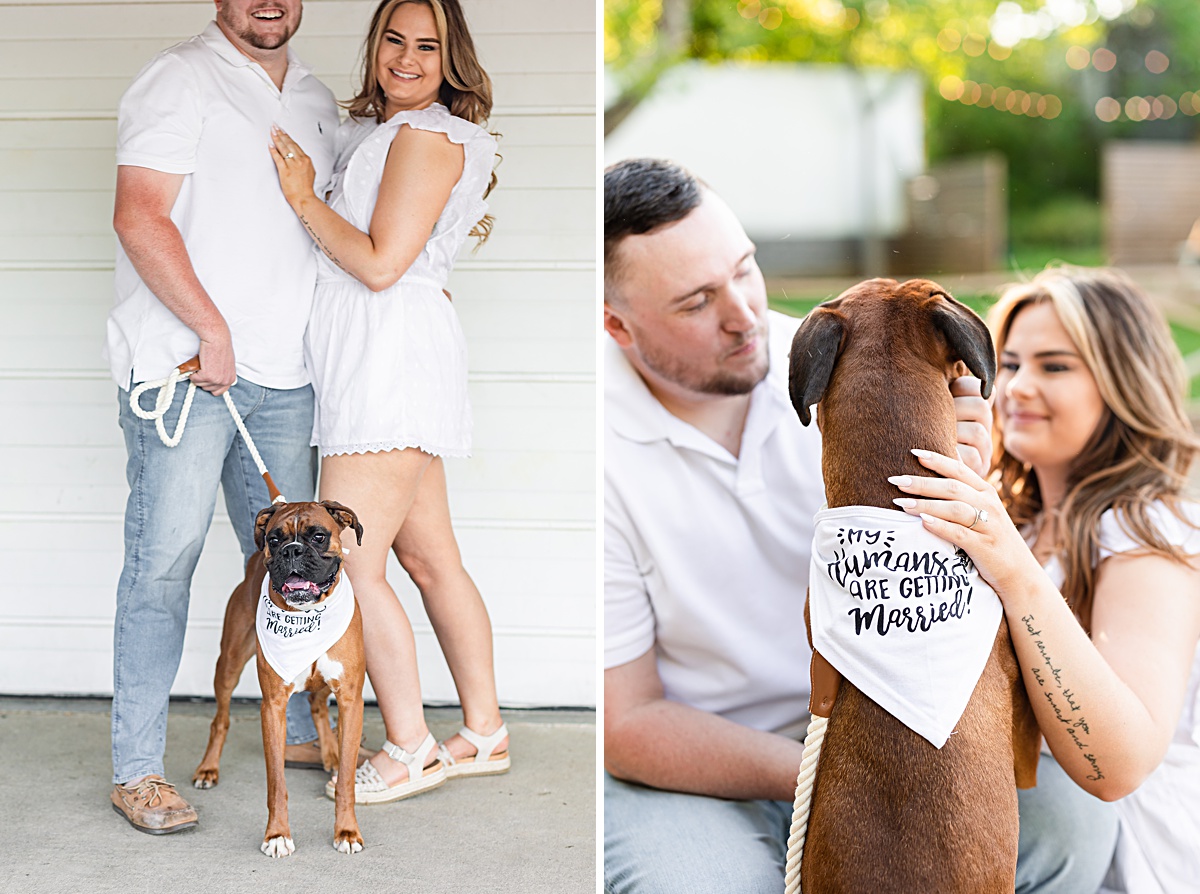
[{"x": 390, "y": 368}]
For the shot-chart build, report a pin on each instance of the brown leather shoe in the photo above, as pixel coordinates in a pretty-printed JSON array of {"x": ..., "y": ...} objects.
[
  {"x": 154, "y": 807},
  {"x": 307, "y": 756}
]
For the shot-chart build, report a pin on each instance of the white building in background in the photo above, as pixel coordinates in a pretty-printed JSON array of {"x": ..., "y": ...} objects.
[
  {"x": 813, "y": 159},
  {"x": 524, "y": 504}
]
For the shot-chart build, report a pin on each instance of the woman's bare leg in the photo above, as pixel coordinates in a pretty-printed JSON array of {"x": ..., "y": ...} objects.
[
  {"x": 427, "y": 549},
  {"x": 380, "y": 488}
]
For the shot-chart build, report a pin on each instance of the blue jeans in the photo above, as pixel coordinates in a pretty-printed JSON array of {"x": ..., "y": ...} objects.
[
  {"x": 658, "y": 842},
  {"x": 1067, "y": 836},
  {"x": 172, "y": 495}
]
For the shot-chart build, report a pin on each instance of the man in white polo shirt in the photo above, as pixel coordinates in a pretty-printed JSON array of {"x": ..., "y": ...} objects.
[
  {"x": 212, "y": 262},
  {"x": 710, "y": 487}
]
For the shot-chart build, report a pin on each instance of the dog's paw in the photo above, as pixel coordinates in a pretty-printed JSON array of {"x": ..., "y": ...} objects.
[
  {"x": 205, "y": 778},
  {"x": 279, "y": 846},
  {"x": 348, "y": 843}
]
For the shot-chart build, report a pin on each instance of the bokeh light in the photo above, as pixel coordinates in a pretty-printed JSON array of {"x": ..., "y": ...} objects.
[
  {"x": 1156, "y": 62},
  {"x": 974, "y": 44},
  {"x": 951, "y": 87},
  {"x": 1104, "y": 59},
  {"x": 1108, "y": 109},
  {"x": 1137, "y": 108},
  {"x": 771, "y": 18},
  {"x": 1078, "y": 58},
  {"x": 948, "y": 40},
  {"x": 1050, "y": 107}
]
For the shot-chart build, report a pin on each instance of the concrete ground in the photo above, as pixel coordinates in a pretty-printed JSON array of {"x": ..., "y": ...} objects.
[{"x": 529, "y": 831}]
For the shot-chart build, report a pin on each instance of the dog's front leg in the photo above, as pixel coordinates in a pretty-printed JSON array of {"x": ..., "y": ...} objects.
[
  {"x": 346, "y": 836},
  {"x": 277, "y": 842},
  {"x": 318, "y": 703},
  {"x": 237, "y": 647}
]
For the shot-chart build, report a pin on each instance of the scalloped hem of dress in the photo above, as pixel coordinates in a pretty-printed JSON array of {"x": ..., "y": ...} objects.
[{"x": 385, "y": 446}]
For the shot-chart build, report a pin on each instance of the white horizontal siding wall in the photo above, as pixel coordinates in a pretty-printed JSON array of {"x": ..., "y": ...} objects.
[{"x": 524, "y": 504}]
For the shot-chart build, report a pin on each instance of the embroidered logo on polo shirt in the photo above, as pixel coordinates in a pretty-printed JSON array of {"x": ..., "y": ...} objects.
[
  {"x": 291, "y": 641},
  {"x": 902, "y": 614}
]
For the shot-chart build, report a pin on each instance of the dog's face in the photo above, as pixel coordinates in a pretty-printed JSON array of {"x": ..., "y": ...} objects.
[{"x": 302, "y": 548}]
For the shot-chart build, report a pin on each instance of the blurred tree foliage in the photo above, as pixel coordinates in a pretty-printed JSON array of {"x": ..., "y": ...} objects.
[{"x": 955, "y": 40}]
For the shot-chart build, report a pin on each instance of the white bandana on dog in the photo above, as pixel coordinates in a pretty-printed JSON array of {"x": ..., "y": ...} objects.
[
  {"x": 901, "y": 613},
  {"x": 292, "y": 641}
]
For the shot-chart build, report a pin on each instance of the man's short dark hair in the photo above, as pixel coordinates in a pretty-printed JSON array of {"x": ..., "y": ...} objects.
[{"x": 641, "y": 195}]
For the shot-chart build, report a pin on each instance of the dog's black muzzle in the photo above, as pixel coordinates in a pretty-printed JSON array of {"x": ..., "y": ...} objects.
[{"x": 301, "y": 574}]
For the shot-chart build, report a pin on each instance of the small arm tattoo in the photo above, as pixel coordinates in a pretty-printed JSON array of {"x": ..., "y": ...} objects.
[
  {"x": 1072, "y": 717},
  {"x": 320, "y": 244}
]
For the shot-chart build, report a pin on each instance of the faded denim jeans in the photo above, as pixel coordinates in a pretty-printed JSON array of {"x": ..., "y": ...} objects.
[
  {"x": 660, "y": 842},
  {"x": 172, "y": 495}
]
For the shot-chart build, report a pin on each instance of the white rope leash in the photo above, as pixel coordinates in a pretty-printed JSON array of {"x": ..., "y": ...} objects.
[
  {"x": 166, "y": 396},
  {"x": 813, "y": 739}
]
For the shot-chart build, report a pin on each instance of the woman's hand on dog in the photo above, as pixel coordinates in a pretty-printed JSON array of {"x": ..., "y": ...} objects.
[
  {"x": 974, "y": 417},
  {"x": 954, "y": 508}
]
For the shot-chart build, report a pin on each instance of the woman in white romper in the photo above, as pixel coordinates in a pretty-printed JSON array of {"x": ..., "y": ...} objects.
[
  {"x": 388, "y": 361},
  {"x": 1104, "y": 603}
]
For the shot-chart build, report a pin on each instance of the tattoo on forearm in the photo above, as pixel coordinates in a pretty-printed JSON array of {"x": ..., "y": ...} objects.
[
  {"x": 1063, "y": 702},
  {"x": 320, "y": 244}
]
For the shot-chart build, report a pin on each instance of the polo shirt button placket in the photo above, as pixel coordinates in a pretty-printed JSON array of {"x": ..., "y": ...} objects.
[{"x": 749, "y": 472}]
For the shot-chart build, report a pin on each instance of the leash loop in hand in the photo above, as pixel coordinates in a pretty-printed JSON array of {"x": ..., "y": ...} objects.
[
  {"x": 162, "y": 403},
  {"x": 166, "y": 396}
]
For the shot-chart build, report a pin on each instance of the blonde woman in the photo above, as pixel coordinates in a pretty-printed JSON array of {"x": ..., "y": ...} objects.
[
  {"x": 1099, "y": 582},
  {"x": 388, "y": 361}
]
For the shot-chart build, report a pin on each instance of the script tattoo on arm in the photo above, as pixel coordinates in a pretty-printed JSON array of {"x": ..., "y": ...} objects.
[
  {"x": 1062, "y": 700},
  {"x": 320, "y": 244}
]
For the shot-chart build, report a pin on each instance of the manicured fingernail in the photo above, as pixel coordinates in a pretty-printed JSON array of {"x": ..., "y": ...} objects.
[
  {"x": 901, "y": 480},
  {"x": 905, "y": 502},
  {"x": 926, "y": 517},
  {"x": 917, "y": 451}
]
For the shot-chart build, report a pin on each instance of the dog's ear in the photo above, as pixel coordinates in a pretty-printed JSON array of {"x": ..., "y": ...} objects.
[
  {"x": 815, "y": 348},
  {"x": 967, "y": 336},
  {"x": 260, "y": 525},
  {"x": 345, "y": 517}
]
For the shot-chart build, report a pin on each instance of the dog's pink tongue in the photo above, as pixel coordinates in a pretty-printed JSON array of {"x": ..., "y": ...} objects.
[{"x": 296, "y": 582}]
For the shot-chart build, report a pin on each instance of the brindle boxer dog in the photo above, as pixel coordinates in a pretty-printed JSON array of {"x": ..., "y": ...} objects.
[{"x": 301, "y": 552}]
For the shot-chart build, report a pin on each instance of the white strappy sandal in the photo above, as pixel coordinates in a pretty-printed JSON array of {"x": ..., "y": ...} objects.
[
  {"x": 483, "y": 762},
  {"x": 370, "y": 787}
]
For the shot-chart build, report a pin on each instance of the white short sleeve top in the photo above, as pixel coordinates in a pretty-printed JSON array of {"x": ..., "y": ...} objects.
[
  {"x": 203, "y": 110},
  {"x": 706, "y": 555}
]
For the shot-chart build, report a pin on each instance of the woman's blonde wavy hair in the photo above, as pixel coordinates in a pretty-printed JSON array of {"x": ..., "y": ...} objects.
[
  {"x": 466, "y": 88},
  {"x": 1143, "y": 446}
]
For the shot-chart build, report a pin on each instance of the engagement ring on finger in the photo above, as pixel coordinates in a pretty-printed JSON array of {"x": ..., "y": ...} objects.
[
  {"x": 981, "y": 518},
  {"x": 290, "y": 155}
]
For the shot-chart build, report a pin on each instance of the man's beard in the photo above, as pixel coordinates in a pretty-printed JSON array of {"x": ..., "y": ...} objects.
[
  {"x": 262, "y": 41},
  {"x": 721, "y": 382}
]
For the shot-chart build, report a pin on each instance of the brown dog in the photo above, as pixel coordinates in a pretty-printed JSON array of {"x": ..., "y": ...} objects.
[
  {"x": 291, "y": 587},
  {"x": 890, "y": 811}
]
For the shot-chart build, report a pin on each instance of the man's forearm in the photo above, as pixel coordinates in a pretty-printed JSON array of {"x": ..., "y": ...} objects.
[
  {"x": 155, "y": 248},
  {"x": 671, "y": 746}
]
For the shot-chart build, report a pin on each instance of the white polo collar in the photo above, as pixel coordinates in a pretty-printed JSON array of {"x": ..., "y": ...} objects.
[{"x": 214, "y": 38}]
